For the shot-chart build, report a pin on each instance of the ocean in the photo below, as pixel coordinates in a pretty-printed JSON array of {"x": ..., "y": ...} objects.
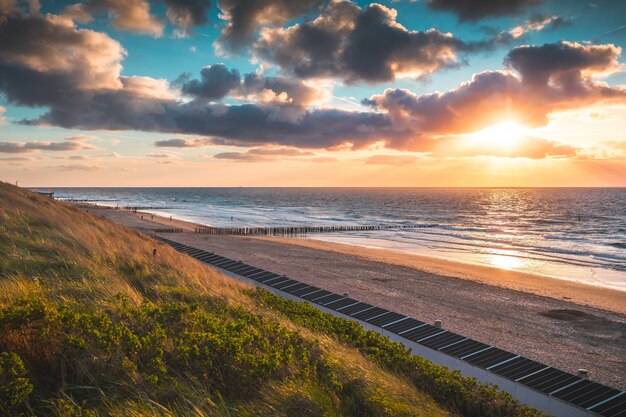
[{"x": 575, "y": 234}]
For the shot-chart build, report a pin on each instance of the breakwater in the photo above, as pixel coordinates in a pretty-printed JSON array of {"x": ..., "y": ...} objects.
[
  {"x": 301, "y": 230},
  {"x": 167, "y": 230}
]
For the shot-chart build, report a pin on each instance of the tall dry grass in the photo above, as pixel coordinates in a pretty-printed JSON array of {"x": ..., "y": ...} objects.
[{"x": 93, "y": 324}]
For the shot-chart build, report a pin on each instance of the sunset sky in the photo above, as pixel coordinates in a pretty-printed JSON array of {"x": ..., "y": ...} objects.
[{"x": 313, "y": 93}]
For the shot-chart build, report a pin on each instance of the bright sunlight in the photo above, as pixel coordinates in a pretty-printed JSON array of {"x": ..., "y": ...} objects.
[{"x": 506, "y": 134}]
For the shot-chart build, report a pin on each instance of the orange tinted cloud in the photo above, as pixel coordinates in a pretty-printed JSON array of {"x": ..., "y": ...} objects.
[{"x": 549, "y": 79}]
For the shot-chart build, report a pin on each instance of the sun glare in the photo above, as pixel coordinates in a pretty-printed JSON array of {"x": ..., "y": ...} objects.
[
  {"x": 505, "y": 262},
  {"x": 504, "y": 133}
]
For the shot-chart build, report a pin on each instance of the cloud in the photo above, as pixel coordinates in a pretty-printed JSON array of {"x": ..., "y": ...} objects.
[
  {"x": 183, "y": 143},
  {"x": 283, "y": 151},
  {"x": 129, "y": 15},
  {"x": 357, "y": 45},
  {"x": 599, "y": 115},
  {"x": 538, "y": 22},
  {"x": 552, "y": 78},
  {"x": 82, "y": 138},
  {"x": 160, "y": 155},
  {"x": 244, "y": 17},
  {"x": 215, "y": 83},
  {"x": 241, "y": 157},
  {"x": 108, "y": 155},
  {"x": 565, "y": 63},
  {"x": 281, "y": 90},
  {"x": 604, "y": 150},
  {"x": 29, "y": 147},
  {"x": 187, "y": 13},
  {"x": 79, "y": 94},
  {"x": 17, "y": 159},
  {"x": 2, "y": 117},
  {"x": 267, "y": 154},
  {"x": 283, "y": 97},
  {"x": 524, "y": 147},
  {"x": 472, "y": 10},
  {"x": 7, "y": 6},
  {"x": 394, "y": 160},
  {"x": 42, "y": 57},
  {"x": 78, "y": 167},
  {"x": 321, "y": 160}
]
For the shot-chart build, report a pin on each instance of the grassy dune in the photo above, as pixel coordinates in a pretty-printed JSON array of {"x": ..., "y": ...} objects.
[{"x": 93, "y": 324}]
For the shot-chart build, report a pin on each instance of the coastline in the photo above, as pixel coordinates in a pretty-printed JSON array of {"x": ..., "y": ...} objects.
[
  {"x": 586, "y": 329},
  {"x": 579, "y": 293},
  {"x": 562, "y": 289}
]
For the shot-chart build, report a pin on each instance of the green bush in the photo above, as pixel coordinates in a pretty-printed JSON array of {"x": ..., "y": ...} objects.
[
  {"x": 155, "y": 348},
  {"x": 463, "y": 395},
  {"x": 14, "y": 384}
]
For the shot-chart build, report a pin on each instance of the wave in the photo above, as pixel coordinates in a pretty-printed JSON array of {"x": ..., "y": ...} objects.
[{"x": 542, "y": 227}]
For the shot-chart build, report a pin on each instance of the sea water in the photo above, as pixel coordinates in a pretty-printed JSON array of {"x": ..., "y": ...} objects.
[{"x": 570, "y": 233}]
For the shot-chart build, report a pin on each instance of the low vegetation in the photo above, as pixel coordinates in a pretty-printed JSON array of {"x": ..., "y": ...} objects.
[{"x": 92, "y": 323}]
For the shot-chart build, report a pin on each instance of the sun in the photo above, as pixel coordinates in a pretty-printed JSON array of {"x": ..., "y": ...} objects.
[{"x": 506, "y": 134}]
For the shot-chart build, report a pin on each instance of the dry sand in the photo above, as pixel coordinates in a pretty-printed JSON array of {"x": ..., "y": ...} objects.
[{"x": 561, "y": 323}]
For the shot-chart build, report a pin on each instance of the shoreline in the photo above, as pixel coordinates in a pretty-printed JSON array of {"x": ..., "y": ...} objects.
[
  {"x": 531, "y": 319},
  {"x": 558, "y": 288},
  {"x": 576, "y": 292}
]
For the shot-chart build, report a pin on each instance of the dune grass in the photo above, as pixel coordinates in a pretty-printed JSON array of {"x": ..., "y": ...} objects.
[{"x": 92, "y": 323}]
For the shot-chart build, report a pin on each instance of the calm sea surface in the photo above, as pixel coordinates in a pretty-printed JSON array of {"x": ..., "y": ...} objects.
[{"x": 572, "y": 233}]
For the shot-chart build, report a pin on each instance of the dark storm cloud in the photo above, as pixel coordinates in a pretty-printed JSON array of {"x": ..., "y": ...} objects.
[
  {"x": 358, "y": 45},
  {"x": 244, "y": 17},
  {"x": 215, "y": 83},
  {"x": 473, "y": 10}
]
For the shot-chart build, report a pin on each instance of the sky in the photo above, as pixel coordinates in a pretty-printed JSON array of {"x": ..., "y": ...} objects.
[{"x": 426, "y": 93}]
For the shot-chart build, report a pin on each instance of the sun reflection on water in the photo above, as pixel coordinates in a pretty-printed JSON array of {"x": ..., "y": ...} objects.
[{"x": 505, "y": 261}]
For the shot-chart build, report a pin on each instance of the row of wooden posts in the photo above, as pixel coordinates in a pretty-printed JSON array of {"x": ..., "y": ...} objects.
[
  {"x": 137, "y": 208},
  {"x": 298, "y": 230}
]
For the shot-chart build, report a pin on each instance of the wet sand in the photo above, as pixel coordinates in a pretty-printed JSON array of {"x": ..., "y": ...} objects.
[{"x": 561, "y": 323}]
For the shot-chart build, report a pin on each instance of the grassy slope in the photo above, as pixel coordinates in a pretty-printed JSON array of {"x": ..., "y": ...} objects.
[{"x": 91, "y": 323}]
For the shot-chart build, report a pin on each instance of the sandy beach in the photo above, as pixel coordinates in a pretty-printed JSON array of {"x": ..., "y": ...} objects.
[{"x": 561, "y": 323}]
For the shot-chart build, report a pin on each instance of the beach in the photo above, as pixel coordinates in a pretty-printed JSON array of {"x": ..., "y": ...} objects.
[{"x": 564, "y": 324}]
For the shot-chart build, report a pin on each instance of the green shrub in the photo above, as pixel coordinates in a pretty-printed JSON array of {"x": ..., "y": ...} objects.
[
  {"x": 14, "y": 384},
  {"x": 224, "y": 350},
  {"x": 463, "y": 395}
]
